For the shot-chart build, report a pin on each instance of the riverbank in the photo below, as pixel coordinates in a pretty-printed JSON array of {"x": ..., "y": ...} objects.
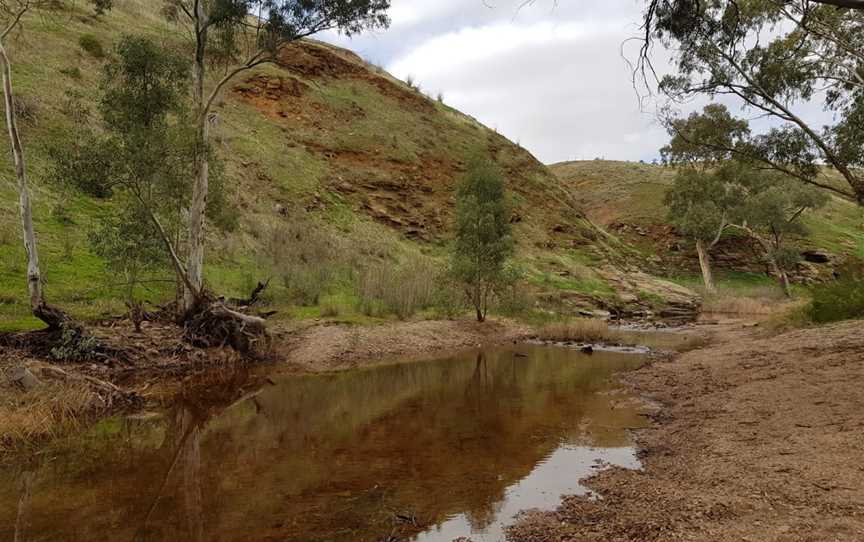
[
  {"x": 753, "y": 438},
  {"x": 40, "y": 401}
]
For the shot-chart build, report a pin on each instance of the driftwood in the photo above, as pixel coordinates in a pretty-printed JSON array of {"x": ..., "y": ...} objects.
[
  {"x": 253, "y": 298},
  {"x": 212, "y": 323},
  {"x": 55, "y": 318}
]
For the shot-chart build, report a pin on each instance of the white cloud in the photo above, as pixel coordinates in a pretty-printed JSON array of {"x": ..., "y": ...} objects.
[{"x": 552, "y": 78}]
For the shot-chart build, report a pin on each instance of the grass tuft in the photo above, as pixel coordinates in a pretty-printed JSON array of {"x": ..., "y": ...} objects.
[{"x": 577, "y": 330}]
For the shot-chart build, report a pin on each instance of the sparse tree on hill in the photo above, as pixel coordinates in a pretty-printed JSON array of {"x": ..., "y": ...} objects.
[
  {"x": 483, "y": 241},
  {"x": 239, "y": 35}
]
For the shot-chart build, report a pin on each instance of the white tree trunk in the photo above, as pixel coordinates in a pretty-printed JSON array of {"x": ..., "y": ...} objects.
[
  {"x": 201, "y": 187},
  {"x": 705, "y": 265},
  {"x": 782, "y": 276},
  {"x": 34, "y": 275}
]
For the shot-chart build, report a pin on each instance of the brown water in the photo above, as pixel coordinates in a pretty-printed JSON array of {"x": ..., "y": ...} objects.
[{"x": 424, "y": 452}]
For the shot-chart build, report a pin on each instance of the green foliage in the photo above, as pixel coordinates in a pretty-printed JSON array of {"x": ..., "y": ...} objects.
[
  {"x": 102, "y": 6},
  {"x": 143, "y": 156},
  {"x": 74, "y": 346},
  {"x": 484, "y": 241},
  {"x": 91, "y": 45},
  {"x": 776, "y": 58},
  {"x": 842, "y": 299},
  {"x": 715, "y": 189},
  {"x": 232, "y": 37},
  {"x": 83, "y": 162},
  {"x": 129, "y": 242},
  {"x": 709, "y": 186},
  {"x": 142, "y": 85}
]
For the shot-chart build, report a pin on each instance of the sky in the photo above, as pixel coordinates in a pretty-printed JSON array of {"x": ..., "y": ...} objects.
[{"x": 551, "y": 78}]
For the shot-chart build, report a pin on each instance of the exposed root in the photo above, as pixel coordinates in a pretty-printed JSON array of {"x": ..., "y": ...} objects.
[{"x": 213, "y": 324}]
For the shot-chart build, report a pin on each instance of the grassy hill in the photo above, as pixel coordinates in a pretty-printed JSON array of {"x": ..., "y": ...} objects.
[
  {"x": 326, "y": 158},
  {"x": 627, "y": 199}
]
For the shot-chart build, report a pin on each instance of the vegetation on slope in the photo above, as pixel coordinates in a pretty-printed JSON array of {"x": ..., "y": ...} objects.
[{"x": 322, "y": 143}]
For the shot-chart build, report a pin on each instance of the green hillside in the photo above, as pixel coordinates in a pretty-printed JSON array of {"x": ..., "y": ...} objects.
[
  {"x": 627, "y": 198},
  {"x": 322, "y": 144}
]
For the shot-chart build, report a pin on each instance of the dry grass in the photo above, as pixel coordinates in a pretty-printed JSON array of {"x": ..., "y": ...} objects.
[
  {"x": 52, "y": 410},
  {"x": 577, "y": 330},
  {"x": 748, "y": 305}
]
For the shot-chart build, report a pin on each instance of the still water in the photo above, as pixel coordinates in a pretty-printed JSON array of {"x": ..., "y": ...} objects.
[{"x": 418, "y": 452}]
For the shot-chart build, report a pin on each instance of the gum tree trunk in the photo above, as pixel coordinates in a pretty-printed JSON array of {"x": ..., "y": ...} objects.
[
  {"x": 705, "y": 265},
  {"x": 34, "y": 275},
  {"x": 782, "y": 276},
  {"x": 195, "y": 262},
  {"x": 50, "y": 315}
]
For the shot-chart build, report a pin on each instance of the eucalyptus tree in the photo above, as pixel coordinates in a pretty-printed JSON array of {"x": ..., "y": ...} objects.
[
  {"x": 771, "y": 215},
  {"x": 717, "y": 190},
  {"x": 484, "y": 240},
  {"x": 12, "y": 15},
  {"x": 706, "y": 196},
  {"x": 773, "y": 57},
  {"x": 141, "y": 157},
  {"x": 237, "y": 36}
]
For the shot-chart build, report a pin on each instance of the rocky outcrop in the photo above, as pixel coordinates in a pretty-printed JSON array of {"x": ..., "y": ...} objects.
[{"x": 641, "y": 295}]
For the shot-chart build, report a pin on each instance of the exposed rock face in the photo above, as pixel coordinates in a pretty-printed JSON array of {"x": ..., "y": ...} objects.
[{"x": 641, "y": 295}]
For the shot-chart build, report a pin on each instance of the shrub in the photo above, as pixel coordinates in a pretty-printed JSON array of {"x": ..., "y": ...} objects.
[
  {"x": 304, "y": 256},
  {"x": 842, "y": 299},
  {"x": 84, "y": 164},
  {"x": 449, "y": 298},
  {"x": 26, "y": 110},
  {"x": 102, "y": 6},
  {"x": 330, "y": 308},
  {"x": 92, "y": 45},
  {"x": 512, "y": 295},
  {"x": 401, "y": 290},
  {"x": 73, "y": 72},
  {"x": 74, "y": 346}
]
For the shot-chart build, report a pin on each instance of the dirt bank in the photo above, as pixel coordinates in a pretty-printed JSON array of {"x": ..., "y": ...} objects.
[
  {"x": 337, "y": 347},
  {"x": 754, "y": 438}
]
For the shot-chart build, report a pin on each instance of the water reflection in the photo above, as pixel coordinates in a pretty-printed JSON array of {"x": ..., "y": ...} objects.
[{"x": 460, "y": 444}]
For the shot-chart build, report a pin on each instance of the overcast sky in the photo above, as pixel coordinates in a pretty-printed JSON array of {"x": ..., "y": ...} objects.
[{"x": 552, "y": 78}]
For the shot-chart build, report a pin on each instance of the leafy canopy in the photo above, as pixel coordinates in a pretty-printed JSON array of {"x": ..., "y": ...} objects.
[
  {"x": 484, "y": 241},
  {"x": 773, "y": 57}
]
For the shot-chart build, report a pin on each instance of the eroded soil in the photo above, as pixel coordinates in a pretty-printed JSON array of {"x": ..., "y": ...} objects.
[{"x": 754, "y": 438}]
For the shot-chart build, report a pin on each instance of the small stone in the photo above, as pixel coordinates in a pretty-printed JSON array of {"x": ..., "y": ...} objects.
[{"x": 23, "y": 377}]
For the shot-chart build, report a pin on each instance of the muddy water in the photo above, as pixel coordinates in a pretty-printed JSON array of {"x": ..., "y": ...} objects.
[{"x": 425, "y": 452}]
